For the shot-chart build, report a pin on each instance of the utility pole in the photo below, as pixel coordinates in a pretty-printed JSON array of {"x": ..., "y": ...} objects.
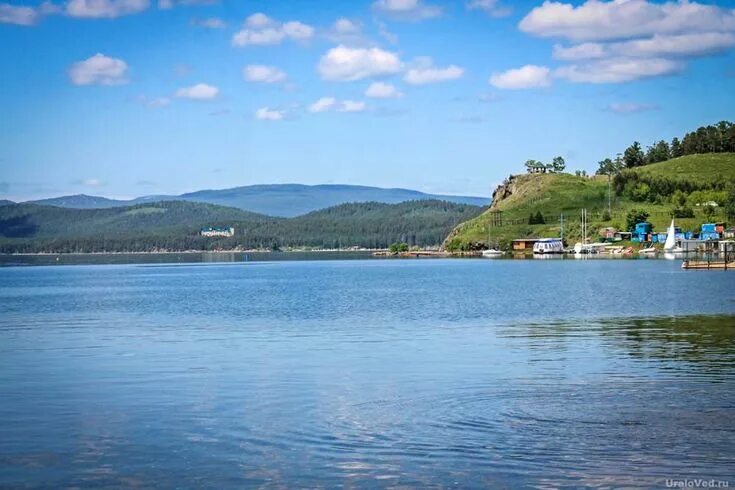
[{"x": 561, "y": 220}]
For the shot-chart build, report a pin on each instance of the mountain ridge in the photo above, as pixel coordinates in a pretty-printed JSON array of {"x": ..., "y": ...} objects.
[{"x": 278, "y": 200}]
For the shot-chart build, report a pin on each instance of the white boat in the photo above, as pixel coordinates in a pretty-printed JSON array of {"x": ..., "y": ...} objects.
[
  {"x": 492, "y": 253},
  {"x": 548, "y": 246},
  {"x": 589, "y": 248},
  {"x": 670, "y": 244},
  {"x": 648, "y": 251}
]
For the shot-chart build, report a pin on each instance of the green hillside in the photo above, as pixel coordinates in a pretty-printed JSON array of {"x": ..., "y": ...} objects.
[
  {"x": 175, "y": 225},
  {"x": 552, "y": 195},
  {"x": 705, "y": 169}
]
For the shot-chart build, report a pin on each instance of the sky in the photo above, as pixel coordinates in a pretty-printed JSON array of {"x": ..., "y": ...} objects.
[{"x": 123, "y": 98}]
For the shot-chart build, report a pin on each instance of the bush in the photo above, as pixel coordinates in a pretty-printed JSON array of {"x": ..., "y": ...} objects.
[
  {"x": 682, "y": 212},
  {"x": 536, "y": 219},
  {"x": 398, "y": 247}
]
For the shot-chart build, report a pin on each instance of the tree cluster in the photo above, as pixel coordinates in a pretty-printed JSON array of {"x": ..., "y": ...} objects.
[
  {"x": 658, "y": 189},
  {"x": 719, "y": 138},
  {"x": 557, "y": 165},
  {"x": 634, "y": 217},
  {"x": 536, "y": 219}
]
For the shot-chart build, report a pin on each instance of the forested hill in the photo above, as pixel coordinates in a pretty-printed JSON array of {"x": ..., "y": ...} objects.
[
  {"x": 694, "y": 189},
  {"x": 163, "y": 218},
  {"x": 286, "y": 200},
  {"x": 376, "y": 225},
  {"x": 175, "y": 225}
]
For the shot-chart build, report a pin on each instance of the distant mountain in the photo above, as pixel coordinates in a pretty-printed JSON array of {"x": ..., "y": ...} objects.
[
  {"x": 82, "y": 201},
  {"x": 5, "y": 202},
  {"x": 175, "y": 225},
  {"x": 284, "y": 200}
]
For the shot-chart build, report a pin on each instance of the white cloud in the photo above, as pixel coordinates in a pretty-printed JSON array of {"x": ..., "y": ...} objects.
[
  {"x": 349, "y": 64},
  {"x": 385, "y": 33},
  {"x": 529, "y": 76},
  {"x": 322, "y": 105},
  {"x": 681, "y": 45},
  {"x": 585, "y": 51},
  {"x": 18, "y": 15},
  {"x": 630, "y": 107},
  {"x": 618, "y": 70},
  {"x": 98, "y": 70},
  {"x": 407, "y": 9},
  {"x": 381, "y": 90},
  {"x": 263, "y": 74},
  {"x": 424, "y": 72},
  {"x": 92, "y": 182},
  {"x": 346, "y": 27},
  {"x": 261, "y": 30},
  {"x": 326, "y": 104},
  {"x": 259, "y": 20},
  {"x": 491, "y": 7},
  {"x": 200, "y": 91},
  {"x": 351, "y": 106},
  {"x": 156, "y": 103},
  {"x": 624, "y": 40},
  {"x": 348, "y": 32},
  {"x": 210, "y": 23},
  {"x": 268, "y": 114},
  {"x": 159, "y": 102},
  {"x": 109, "y": 9},
  {"x": 624, "y": 19}
]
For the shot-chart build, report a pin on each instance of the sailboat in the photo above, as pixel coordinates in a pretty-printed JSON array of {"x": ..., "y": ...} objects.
[
  {"x": 492, "y": 251},
  {"x": 670, "y": 244}
]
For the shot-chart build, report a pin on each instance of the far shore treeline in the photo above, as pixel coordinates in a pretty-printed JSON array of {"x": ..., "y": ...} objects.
[{"x": 176, "y": 225}]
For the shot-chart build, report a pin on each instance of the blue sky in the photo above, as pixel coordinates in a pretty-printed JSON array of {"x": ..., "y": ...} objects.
[{"x": 123, "y": 98}]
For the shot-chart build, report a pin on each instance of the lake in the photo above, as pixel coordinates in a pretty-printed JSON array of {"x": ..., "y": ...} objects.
[{"x": 367, "y": 373}]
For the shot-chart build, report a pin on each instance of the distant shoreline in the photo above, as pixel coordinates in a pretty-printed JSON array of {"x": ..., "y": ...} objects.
[{"x": 171, "y": 252}]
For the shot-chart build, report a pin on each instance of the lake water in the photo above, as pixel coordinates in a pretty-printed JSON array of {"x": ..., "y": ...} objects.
[{"x": 367, "y": 373}]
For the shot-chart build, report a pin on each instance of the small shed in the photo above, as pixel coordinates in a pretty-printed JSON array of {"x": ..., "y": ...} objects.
[
  {"x": 522, "y": 244},
  {"x": 608, "y": 232}
]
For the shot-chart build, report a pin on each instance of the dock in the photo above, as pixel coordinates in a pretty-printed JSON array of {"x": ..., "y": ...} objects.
[{"x": 708, "y": 265}]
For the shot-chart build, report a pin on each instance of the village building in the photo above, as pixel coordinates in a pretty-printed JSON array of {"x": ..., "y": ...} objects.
[
  {"x": 218, "y": 232},
  {"x": 521, "y": 244}
]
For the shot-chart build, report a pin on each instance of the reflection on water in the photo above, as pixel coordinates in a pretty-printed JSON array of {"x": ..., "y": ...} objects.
[
  {"x": 174, "y": 258},
  {"x": 366, "y": 373}
]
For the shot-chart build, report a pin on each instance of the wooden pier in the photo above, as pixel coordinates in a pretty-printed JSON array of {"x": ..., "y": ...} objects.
[{"x": 708, "y": 265}]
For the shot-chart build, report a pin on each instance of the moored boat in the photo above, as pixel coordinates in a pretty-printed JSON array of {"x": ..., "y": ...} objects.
[{"x": 548, "y": 246}]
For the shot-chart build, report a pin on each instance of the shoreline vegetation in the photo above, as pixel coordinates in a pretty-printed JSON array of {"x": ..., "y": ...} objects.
[{"x": 176, "y": 226}]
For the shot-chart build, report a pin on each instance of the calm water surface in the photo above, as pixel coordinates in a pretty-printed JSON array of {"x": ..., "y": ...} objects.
[{"x": 367, "y": 373}]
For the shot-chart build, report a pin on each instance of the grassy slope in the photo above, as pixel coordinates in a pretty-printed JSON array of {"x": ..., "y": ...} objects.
[
  {"x": 568, "y": 194},
  {"x": 703, "y": 168}
]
